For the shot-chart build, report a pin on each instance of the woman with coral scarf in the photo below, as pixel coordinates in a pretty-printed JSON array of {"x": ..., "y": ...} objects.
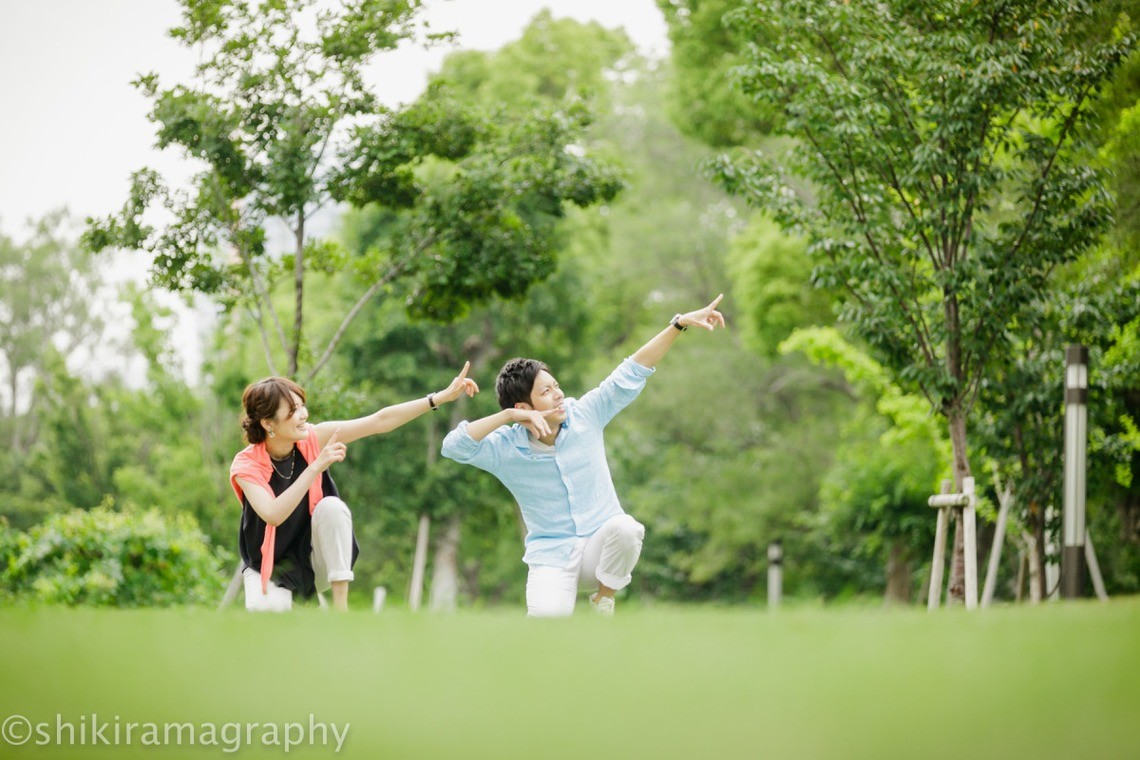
[{"x": 296, "y": 533}]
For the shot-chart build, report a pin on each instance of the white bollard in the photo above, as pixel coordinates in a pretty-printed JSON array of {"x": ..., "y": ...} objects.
[
  {"x": 379, "y": 594},
  {"x": 1076, "y": 455},
  {"x": 775, "y": 574}
]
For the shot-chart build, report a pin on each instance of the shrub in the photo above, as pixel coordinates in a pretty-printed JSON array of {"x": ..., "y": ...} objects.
[{"x": 112, "y": 558}]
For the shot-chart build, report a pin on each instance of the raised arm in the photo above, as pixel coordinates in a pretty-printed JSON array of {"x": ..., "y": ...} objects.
[
  {"x": 707, "y": 318},
  {"x": 532, "y": 420},
  {"x": 391, "y": 417},
  {"x": 276, "y": 509}
]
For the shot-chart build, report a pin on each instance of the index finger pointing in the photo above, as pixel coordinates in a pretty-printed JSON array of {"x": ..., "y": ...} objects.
[
  {"x": 332, "y": 438},
  {"x": 716, "y": 301},
  {"x": 466, "y": 366}
]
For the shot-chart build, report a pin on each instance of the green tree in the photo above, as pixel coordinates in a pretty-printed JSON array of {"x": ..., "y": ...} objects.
[
  {"x": 771, "y": 282},
  {"x": 48, "y": 287},
  {"x": 284, "y": 122},
  {"x": 704, "y": 100},
  {"x": 889, "y": 458},
  {"x": 551, "y": 63},
  {"x": 725, "y": 450},
  {"x": 50, "y": 296},
  {"x": 551, "y": 60},
  {"x": 946, "y": 147}
]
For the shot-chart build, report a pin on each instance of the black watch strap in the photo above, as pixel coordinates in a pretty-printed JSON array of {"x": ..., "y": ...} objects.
[{"x": 676, "y": 322}]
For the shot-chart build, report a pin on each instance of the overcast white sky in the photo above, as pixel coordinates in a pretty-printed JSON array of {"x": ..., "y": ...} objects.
[{"x": 72, "y": 128}]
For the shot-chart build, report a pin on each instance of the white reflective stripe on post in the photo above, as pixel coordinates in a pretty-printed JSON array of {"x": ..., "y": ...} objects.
[{"x": 1076, "y": 424}]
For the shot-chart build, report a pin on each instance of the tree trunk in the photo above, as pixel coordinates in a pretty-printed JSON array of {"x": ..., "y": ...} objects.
[
  {"x": 419, "y": 562},
  {"x": 445, "y": 567},
  {"x": 1036, "y": 571},
  {"x": 898, "y": 575},
  {"x": 444, "y": 591},
  {"x": 956, "y": 593},
  {"x": 298, "y": 292},
  {"x": 14, "y": 389}
]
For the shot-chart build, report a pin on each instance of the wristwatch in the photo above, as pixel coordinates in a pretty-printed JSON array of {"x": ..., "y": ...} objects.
[{"x": 676, "y": 322}]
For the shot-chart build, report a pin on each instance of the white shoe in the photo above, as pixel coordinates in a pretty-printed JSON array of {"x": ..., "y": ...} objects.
[{"x": 603, "y": 605}]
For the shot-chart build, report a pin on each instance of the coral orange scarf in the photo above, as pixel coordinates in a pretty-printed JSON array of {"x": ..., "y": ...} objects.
[{"x": 252, "y": 464}]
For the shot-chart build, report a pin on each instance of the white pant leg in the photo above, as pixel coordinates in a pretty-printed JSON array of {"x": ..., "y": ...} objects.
[
  {"x": 277, "y": 600},
  {"x": 332, "y": 543},
  {"x": 551, "y": 591},
  {"x": 611, "y": 553}
]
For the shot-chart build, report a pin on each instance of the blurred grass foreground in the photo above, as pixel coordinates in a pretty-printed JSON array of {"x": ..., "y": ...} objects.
[{"x": 1058, "y": 680}]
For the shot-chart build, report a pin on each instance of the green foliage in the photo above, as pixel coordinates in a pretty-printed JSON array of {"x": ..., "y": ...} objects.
[
  {"x": 103, "y": 557},
  {"x": 888, "y": 459},
  {"x": 47, "y": 286},
  {"x": 282, "y": 119},
  {"x": 920, "y": 125},
  {"x": 553, "y": 59},
  {"x": 705, "y": 101},
  {"x": 771, "y": 283},
  {"x": 488, "y": 225}
]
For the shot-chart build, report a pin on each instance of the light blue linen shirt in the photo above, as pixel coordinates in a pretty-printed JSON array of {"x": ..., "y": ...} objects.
[{"x": 565, "y": 494}]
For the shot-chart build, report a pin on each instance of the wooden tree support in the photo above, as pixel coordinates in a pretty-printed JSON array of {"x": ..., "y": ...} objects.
[
  {"x": 1005, "y": 499},
  {"x": 943, "y": 502}
]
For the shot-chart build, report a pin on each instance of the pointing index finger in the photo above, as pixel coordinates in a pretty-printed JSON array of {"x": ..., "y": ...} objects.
[
  {"x": 466, "y": 366},
  {"x": 716, "y": 301}
]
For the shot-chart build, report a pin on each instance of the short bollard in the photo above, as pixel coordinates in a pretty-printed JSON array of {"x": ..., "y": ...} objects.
[
  {"x": 775, "y": 574},
  {"x": 379, "y": 594}
]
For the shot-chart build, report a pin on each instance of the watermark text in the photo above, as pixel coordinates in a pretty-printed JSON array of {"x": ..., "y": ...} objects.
[{"x": 229, "y": 737}]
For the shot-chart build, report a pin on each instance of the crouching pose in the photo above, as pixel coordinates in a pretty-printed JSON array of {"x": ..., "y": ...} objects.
[
  {"x": 296, "y": 533},
  {"x": 548, "y": 450}
]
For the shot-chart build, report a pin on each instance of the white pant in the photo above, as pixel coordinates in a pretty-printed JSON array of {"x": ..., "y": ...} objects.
[
  {"x": 331, "y": 557},
  {"x": 607, "y": 557}
]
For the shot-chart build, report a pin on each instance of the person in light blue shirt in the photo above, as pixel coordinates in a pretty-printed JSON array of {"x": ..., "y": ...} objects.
[{"x": 548, "y": 450}]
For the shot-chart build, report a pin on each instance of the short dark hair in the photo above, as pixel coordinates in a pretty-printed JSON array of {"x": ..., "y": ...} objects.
[
  {"x": 516, "y": 381},
  {"x": 261, "y": 400}
]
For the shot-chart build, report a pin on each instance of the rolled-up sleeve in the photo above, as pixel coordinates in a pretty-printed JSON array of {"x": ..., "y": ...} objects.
[
  {"x": 461, "y": 447},
  {"x": 616, "y": 392}
]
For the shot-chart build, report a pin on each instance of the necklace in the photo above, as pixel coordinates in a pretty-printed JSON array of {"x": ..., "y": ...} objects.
[{"x": 292, "y": 464}]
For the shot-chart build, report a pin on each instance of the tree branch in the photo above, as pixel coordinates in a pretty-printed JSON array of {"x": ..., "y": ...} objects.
[
  {"x": 891, "y": 173},
  {"x": 260, "y": 322},
  {"x": 263, "y": 301},
  {"x": 921, "y": 331},
  {"x": 348, "y": 318},
  {"x": 396, "y": 270},
  {"x": 1066, "y": 128},
  {"x": 298, "y": 291}
]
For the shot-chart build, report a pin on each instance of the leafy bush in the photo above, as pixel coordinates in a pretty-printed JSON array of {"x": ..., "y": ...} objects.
[{"x": 105, "y": 557}]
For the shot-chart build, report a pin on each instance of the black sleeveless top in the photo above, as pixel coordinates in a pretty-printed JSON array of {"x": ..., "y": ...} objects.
[{"x": 292, "y": 556}]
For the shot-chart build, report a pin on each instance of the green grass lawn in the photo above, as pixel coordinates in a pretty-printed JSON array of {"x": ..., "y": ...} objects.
[{"x": 1057, "y": 681}]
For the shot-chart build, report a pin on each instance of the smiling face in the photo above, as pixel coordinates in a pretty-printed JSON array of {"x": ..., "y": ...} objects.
[
  {"x": 277, "y": 404},
  {"x": 547, "y": 394},
  {"x": 291, "y": 423}
]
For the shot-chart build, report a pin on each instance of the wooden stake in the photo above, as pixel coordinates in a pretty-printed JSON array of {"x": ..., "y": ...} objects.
[
  {"x": 971, "y": 541},
  {"x": 937, "y": 565}
]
